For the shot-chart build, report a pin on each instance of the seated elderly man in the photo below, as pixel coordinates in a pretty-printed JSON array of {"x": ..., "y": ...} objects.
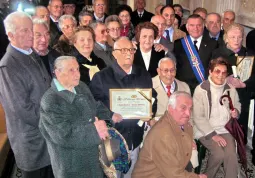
[
  {"x": 167, "y": 148},
  {"x": 165, "y": 83},
  {"x": 210, "y": 118},
  {"x": 122, "y": 74},
  {"x": 69, "y": 121}
]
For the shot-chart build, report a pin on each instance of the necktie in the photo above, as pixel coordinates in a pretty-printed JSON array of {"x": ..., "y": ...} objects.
[
  {"x": 167, "y": 35},
  {"x": 213, "y": 38},
  {"x": 168, "y": 90},
  {"x": 140, "y": 15},
  {"x": 195, "y": 44}
]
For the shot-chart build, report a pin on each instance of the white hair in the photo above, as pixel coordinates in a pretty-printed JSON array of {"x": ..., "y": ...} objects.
[
  {"x": 58, "y": 63},
  {"x": 11, "y": 21},
  {"x": 38, "y": 21},
  {"x": 173, "y": 98},
  {"x": 119, "y": 39},
  {"x": 64, "y": 17},
  {"x": 166, "y": 59}
]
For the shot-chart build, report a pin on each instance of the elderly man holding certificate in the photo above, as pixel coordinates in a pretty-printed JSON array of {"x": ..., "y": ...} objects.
[{"x": 124, "y": 75}]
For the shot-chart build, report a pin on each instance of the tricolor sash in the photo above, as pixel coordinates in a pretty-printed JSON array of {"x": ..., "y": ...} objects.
[{"x": 194, "y": 59}]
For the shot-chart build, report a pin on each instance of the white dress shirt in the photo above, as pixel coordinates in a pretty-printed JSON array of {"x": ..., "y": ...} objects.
[
  {"x": 146, "y": 59},
  {"x": 198, "y": 41},
  {"x": 171, "y": 89}
]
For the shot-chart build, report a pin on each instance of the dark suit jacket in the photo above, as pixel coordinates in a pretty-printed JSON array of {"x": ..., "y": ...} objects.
[
  {"x": 184, "y": 70},
  {"x": 135, "y": 19},
  {"x": 250, "y": 42},
  {"x": 169, "y": 45},
  {"x": 55, "y": 33},
  {"x": 155, "y": 57},
  {"x": 94, "y": 18},
  {"x": 114, "y": 77},
  {"x": 23, "y": 81},
  {"x": 105, "y": 55},
  {"x": 220, "y": 39}
]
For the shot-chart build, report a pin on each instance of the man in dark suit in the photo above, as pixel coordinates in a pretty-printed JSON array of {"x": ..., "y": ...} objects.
[
  {"x": 99, "y": 14},
  {"x": 55, "y": 8},
  {"x": 101, "y": 47},
  {"x": 41, "y": 45},
  {"x": 24, "y": 80},
  {"x": 250, "y": 42},
  {"x": 140, "y": 14},
  {"x": 213, "y": 25},
  {"x": 123, "y": 74},
  {"x": 203, "y": 46}
]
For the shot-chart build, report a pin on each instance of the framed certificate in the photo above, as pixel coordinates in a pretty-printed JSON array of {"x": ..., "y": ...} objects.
[
  {"x": 132, "y": 103},
  {"x": 244, "y": 67}
]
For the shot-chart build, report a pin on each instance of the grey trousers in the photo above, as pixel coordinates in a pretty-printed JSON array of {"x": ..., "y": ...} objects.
[
  {"x": 218, "y": 155},
  {"x": 133, "y": 156}
]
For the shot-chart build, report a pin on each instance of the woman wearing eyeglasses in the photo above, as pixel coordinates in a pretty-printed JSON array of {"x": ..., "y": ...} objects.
[
  {"x": 146, "y": 55},
  {"x": 210, "y": 118},
  {"x": 113, "y": 24},
  {"x": 233, "y": 38},
  {"x": 127, "y": 29}
]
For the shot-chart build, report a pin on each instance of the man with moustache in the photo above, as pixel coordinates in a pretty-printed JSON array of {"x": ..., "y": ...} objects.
[
  {"x": 120, "y": 75},
  {"x": 24, "y": 80}
]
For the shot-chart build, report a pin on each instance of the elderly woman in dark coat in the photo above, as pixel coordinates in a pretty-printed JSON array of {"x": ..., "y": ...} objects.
[{"x": 69, "y": 123}]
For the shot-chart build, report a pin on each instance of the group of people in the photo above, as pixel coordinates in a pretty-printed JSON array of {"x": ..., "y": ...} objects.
[{"x": 58, "y": 70}]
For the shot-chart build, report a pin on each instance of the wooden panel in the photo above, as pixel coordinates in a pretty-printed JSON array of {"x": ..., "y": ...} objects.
[{"x": 2, "y": 120}]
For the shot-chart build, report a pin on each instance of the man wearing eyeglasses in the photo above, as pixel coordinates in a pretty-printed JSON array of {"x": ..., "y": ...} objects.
[
  {"x": 165, "y": 83},
  {"x": 56, "y": 9},
  {"x": 120, "y": 75},
  {"x": 99, "y": 7},
  {"x": 69, "y": 7}
]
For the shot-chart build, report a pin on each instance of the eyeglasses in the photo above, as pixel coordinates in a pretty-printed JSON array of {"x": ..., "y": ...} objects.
[
  {"x": 102, "y": 5},
  {"x": 56, "y": 7},
  {"x": 69, "y": 26},
  {"x": 125, "y": 16},
  {"x": 168, "y": 70},
  {"x": 235, "y": 37},
  {"x": 125, "y": 50},
  {"x": 218, "y": 72},
  {"x": 69, "y": 6},
  {"x": 113, "y": 29}
]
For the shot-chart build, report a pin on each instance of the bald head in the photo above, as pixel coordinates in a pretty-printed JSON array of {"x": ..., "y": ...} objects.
[
  {"x": 228, "y": 18},
  {"x": 160, "y": 22}
]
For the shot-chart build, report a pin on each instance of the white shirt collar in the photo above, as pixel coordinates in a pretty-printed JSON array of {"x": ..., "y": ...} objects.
[
  {"x": 157, "y": 41},
  {"x": 130, "y": 71},
  {"x": 99, "y": 19},
  {"x": 140, "y": 12},
  {"x": 146, "y": 59},
  {"x": 53, "y": 19},
  {"x": 198, "y": 40},
  {"x": 172, "y": 86}
]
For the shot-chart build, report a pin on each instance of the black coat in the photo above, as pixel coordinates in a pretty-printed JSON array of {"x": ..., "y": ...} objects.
[
  {"x": 155, "y": 57},
  {"x": 135, "y": 19},
  {"x": 84, "y": 71},
  {"x": 250, "y": 41},
  {"x": 55, "y": 33},
  {"x": 184, "y": 70},
  {"x": 94, "y": 18},
  {"x": 220, "y": 40},
  {"x": 114, "y": 77}
]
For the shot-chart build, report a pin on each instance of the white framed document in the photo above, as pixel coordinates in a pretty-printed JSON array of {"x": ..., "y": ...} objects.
[
  {"x": 132, "y": 103},
  {"x": 244, "y": 67}
]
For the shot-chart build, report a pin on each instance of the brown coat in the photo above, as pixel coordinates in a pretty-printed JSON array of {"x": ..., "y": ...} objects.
[
  {"x": 166, "y": 151},
  {"x": 178, "y": 34}
]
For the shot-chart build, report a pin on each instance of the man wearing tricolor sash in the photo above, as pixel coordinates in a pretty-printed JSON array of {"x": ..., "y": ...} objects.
[{"x": 193, "y": 53}]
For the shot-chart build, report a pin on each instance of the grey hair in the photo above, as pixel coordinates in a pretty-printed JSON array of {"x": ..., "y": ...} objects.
[
  {"x": 166, "y": 59},
  {"x": 112, "y": 18},
  {"x": 212, "y": 13},
  {"x": 119, "y": 39},
  {"x": 38, "y": 21},
  {"x": 93, "y": 1},
  {"x": 84, "y": 13},
  {"x": 10, "y": 22},
  {"x": 50, "y": 1},
  {"x": 173, "y": 98},
  {"x": 94, "y": 25},
  {"x": 64, "y": 17},
  {"x": 39, "y": 7},
  {"x": 58, "y": 63},
  {"x": 229, "y": 10}
]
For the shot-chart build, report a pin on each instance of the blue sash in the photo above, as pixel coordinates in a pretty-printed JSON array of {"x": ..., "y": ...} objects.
[{"x": 194, "y": 59}]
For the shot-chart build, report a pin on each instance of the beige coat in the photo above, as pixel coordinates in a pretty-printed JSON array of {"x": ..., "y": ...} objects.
[
  {"x": 202, "y": 108},
  {"x": 166, "y": 151},
  {"x": 162, "y": 95},
  {"x": 178, "y": 34}
]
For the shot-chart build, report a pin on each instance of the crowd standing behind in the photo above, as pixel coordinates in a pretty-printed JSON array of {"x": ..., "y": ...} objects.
[{"x": 60, "y": 65}]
